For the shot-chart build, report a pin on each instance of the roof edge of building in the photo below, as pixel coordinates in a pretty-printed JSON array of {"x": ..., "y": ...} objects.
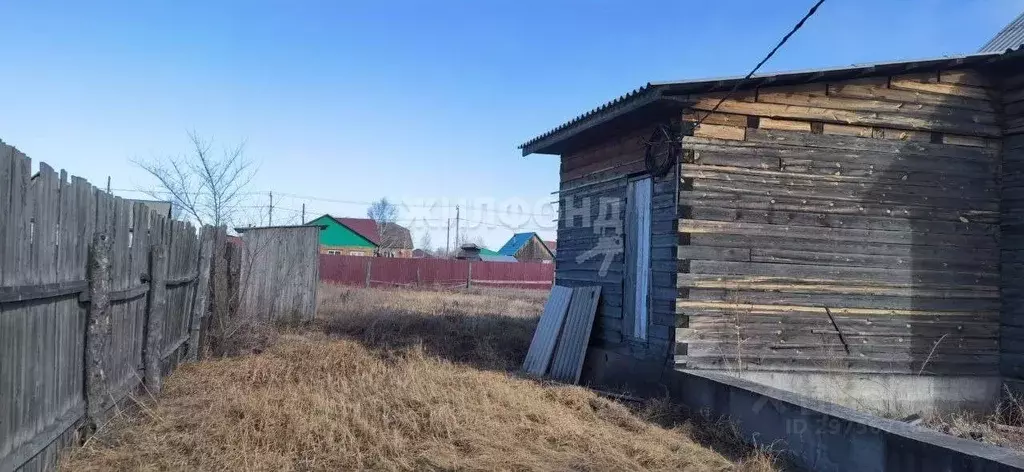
[{"x": 668, "y": 93}]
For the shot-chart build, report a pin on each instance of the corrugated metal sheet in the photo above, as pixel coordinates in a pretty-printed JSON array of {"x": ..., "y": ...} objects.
[
  {"x": 1011, "y": 37},
  {"x": 567, "y": 361},
  {"x": 546, "y": 335},
  {"x": 653, "y": 92}
]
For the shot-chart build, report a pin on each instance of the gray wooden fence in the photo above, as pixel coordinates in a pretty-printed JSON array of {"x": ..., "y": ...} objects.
[
  {"x": 280, "y": 272},
  {"x": 96, "y": 295}
]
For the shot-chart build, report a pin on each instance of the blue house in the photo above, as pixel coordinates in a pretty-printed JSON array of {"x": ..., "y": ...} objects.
[{"x": 527, "y": 247}]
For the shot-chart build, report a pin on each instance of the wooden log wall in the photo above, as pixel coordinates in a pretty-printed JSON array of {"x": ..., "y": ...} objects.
[
  {"x": 1012, "y": 256},
  {"x": 848, "y": 226},
  {"x": 75, "y": 276},
  {"x": 592, "y": 203}
]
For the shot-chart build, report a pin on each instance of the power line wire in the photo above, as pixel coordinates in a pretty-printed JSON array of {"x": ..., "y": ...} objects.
[
  {"x": 351, "y": 202},
  {"x": 785, "y": 38},
  {"x": 356, "y": 202}
]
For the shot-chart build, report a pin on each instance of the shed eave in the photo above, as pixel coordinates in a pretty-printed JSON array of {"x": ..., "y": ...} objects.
[
  {"x": 553, "y": 141},
  {"x": 558, "y": 140}
]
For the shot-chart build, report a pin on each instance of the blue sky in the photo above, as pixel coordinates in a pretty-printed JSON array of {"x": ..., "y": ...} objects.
[{"x": 414, "y": 100}]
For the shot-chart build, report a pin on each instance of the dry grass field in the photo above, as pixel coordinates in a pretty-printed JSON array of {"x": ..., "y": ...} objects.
[{"x": 400, "y": 380}]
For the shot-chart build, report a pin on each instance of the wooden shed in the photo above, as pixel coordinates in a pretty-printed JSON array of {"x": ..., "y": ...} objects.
[
  {"x": 800, "y": 229},
  {"x": 527, "y": 247}
]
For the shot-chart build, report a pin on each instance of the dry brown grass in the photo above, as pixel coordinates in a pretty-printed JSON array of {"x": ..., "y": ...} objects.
[
  {"x": 399, "y": 380},
  {"x": 487, "y": 328},
  {"x": 1003, "y": 427}
]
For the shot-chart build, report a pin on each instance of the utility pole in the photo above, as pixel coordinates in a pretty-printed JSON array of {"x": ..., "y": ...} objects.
[
  {"x": 448, "y": 240},
  {"x": 456, "y": 227},
  {"x": 270, "y": 211},
  {"x": 303, "y": 213},
  {"x": 108, "y": 185}
]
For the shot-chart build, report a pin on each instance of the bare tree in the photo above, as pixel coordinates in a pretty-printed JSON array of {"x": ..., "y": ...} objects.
[
  {"x": 206, "y": 187},
  {"x": 465, "y": 237},
  {"x": 442, "y": 252},
  {"x": 425, "y": 241},
  {"x": 384, "y": 213}
]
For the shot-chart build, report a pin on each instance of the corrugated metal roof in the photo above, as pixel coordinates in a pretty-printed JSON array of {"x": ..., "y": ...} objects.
[
  {"x": 621, "y": 102},
  {"x": 548, "y": 142},
  {"x": 1011, "y": 37},
  {"x": 515, "y": 243},
  {"x": 398, "y": 236}
]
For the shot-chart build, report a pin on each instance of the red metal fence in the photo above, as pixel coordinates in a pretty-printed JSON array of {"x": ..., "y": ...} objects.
[{"x": 389, "y": 272}]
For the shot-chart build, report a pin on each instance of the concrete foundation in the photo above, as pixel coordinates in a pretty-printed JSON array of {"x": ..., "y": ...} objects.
[
  {"x": 888, "y": 395},
  {"x": 814, "y": 434}
]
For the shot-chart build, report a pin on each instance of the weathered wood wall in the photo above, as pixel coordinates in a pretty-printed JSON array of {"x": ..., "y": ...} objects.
[
  {"x": 52, "y": 308},
  {"x": 591, "y": 226},
  {"x": 1012, "y": 327},
  {"x": 850, "y": 226},
  {"x": 279, "y": 273},
  {"x": 533, "y": 251}
]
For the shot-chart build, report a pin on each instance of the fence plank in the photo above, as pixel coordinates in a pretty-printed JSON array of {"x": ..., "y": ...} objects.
[
  {"x": 42, "y": 400},
  {"x": 155, "y": 316},
  {"x": 202, "y": 291},
  {"x": 17, "y": 268}
]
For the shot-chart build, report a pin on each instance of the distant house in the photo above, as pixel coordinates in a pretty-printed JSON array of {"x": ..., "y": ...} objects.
[
  {"x": 527, "y": 247},
  {"x": 552, "y": 246},
  {"x": 472, "y": 252},
  {"x": 361, "y": 237}
]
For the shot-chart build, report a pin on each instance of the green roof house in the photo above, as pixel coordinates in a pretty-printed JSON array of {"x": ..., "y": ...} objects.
[{"x": 362, "y": 237}]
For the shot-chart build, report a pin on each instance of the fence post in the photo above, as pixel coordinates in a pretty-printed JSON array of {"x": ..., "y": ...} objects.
[
  {"x": 212, "y": 333},
  {"x": 156, "y": 314},
  {"x": 418, "y": 282},
  {"x": 232, "y": 278},
  {"x": 369, "y": 263},
  {"x": 202, "y": 292},
  {"x": 98, "y": 329},
  {"x": 469, "y": 276}
]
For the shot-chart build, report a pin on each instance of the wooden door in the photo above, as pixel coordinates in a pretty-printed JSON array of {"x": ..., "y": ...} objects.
[{"x": 638, "y": 257}]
